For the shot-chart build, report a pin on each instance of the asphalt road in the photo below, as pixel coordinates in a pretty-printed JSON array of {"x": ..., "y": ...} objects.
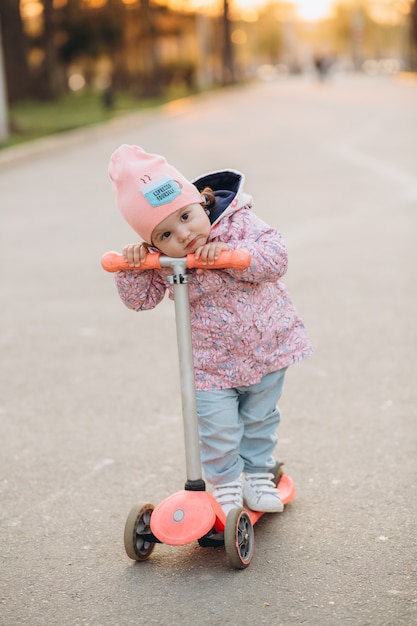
[{"x": 89, "y": 402}]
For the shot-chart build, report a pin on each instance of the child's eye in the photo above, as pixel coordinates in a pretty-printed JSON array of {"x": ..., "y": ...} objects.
[
  {"x": 185, "y": 216},
  {"x": 165, "y": 235}
]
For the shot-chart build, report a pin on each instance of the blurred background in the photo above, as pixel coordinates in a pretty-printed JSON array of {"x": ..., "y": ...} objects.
[{"x": 119, "y": 54}]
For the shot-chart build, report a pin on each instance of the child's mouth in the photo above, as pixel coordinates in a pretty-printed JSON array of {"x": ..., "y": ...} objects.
[{"x": 192, "y": 243}]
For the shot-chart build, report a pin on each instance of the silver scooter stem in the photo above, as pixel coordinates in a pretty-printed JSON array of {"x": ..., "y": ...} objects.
[{"x": 180, "y": 280}]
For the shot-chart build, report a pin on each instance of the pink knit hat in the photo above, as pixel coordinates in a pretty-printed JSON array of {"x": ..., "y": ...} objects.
[{"x": 147, "y": 189}]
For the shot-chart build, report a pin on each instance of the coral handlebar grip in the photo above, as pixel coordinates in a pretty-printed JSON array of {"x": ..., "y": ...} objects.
[
  {"x": 114, "y": 262},
  {"x": 233, "y": 259}
]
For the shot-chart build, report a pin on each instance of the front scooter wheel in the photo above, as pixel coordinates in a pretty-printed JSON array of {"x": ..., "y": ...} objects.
[
  {"x": 239, "y": 538},
  {"x": 137, "y": 535}
]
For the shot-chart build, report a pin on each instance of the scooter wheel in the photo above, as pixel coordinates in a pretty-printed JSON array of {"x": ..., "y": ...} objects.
[
  {"x": 239, "y": 538},
  {"x": 137, "y": 535}
]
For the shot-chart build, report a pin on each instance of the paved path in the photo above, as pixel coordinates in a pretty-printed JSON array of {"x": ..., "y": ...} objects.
[{"x": 90, "y": 415}]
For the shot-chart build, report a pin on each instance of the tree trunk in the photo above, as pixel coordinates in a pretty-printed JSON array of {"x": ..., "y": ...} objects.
[
  {"x": 413, "y": 36},
  {"x": 153, "y": 87},
  {"x": 48, "y": 84},
  {"x": 228, "y": 61},
  {"x": 14, "y": 49}
]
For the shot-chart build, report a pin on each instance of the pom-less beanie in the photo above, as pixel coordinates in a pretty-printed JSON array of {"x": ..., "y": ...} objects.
[{"x": 147, "y": 189}]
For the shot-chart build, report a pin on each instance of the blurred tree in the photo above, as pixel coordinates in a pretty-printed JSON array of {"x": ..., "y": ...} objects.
[
  {"x": 152, "y": 79},
  {"x": 15, "y": 48},
  {"x": 88, "y": 31},
  {"x": 49, "y": 81},
  {"x": 228, "y": 69},
  {"x": 355, "y": 32},
  {"x": 4, "y": 116},
  {"x": 270, "y": 27},
  {"x": 413, "y": 34},
  {"x": 350, "y": 21}
]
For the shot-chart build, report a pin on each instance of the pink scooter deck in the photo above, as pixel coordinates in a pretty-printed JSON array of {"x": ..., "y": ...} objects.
[{"x": 186, "y": 516}]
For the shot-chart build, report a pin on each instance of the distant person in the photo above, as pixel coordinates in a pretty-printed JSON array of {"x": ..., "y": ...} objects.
[
  {"x": 108, "y": 98},
  {"x": 323, "y": 65},
  {"x": 245, "y": 328}
]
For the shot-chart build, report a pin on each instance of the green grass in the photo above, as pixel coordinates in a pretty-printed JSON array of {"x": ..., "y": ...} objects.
[{"x": 31, "y": 120}]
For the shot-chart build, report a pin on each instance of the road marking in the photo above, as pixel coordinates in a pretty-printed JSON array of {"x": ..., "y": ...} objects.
[
  {"x": 61, "y": 493},
  {"x": 382, "y": 169}
]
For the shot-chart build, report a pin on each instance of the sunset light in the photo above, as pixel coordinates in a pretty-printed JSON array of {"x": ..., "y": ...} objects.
[
  {"x": 313, "y": 9},
  {"x": 310, "y": 10}
]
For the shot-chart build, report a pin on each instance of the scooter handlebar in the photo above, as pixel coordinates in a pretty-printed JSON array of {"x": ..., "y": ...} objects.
[{"x": 234, "y": 259}]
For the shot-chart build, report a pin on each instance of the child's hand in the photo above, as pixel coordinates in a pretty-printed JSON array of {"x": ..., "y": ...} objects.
[
  {"x": 209, "y": 253},
  {"x": 135, "y": 253}
]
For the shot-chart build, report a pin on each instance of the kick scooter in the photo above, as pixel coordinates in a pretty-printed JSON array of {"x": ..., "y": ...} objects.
[{"x": 192, "y": 514}]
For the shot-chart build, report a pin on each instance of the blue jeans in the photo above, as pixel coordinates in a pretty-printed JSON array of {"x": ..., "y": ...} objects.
[{"x": 237, "y": 428}]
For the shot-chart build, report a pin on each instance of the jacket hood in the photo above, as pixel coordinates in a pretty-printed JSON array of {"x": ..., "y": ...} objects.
[{"x": 227, "y": 186}]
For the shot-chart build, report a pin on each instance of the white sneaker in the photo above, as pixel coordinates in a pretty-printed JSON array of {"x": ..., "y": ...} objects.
[
  {"x": 261, "y": 494},
  {"x": 229, "y": 495}
]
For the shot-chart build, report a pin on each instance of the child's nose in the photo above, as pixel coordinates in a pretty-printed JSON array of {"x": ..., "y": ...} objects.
[{"x": 183, "y": 232}]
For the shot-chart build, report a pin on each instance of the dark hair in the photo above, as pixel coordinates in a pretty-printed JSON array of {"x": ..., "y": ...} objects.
[{"x": 209, "y": 201}]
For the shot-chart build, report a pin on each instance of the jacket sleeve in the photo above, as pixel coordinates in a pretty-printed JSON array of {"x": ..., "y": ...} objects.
[
  {"x": 141, "y": 291},
  {"x": 269, "y": 260}
]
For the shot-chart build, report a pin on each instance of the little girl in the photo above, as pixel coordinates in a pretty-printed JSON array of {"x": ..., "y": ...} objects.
[{"x": 245, "y": 328}]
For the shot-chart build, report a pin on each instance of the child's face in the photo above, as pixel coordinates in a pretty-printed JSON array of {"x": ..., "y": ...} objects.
[{"x": 182, "y": 232}]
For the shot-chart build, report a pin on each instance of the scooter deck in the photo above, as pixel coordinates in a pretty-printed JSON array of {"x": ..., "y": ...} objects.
[{"x": 187, "y": 516}]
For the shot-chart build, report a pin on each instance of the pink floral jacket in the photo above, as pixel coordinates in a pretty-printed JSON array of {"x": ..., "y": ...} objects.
[{"x": 244, "y": 324}]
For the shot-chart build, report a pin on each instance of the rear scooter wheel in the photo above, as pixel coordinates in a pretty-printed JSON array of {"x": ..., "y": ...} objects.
[
  {"x": 137, "y": 535},
  {"x": 239, "y": 538}
]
